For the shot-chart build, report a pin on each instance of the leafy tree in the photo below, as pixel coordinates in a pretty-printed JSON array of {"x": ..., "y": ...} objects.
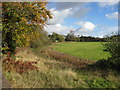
[
  {"x": 56, "y": 37},
  {"x": 22, "y": 22},
  {"x": 113, "y": 46},
  {"x": 60, "y": 38}
]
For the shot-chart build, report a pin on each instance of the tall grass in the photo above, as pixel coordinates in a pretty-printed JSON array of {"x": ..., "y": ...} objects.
[{"x": 51, "y": 75}]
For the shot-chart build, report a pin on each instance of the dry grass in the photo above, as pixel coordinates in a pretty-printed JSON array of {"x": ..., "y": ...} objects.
[
  {"x": 25, "y": 53},
  {"x": 74, "y": 62},
  {"x": 53, "y": 73}
]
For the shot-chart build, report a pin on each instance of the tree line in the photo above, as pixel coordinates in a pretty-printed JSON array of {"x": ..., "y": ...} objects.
[{"x": 55, "y": 37}]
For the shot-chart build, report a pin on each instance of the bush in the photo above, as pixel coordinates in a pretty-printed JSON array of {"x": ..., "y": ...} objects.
[
  {"x": 40, "y": 42},
  {"x": 56, "y": 37},
  {"x": 113, "y": 46}
]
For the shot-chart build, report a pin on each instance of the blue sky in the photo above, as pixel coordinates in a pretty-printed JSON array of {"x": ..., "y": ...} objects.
[{"x": 93, "y": 18}]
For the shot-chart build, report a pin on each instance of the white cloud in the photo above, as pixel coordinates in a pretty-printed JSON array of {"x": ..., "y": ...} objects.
[
  {"x": 80, "y": 12},
  {"x": 105, "y": 30},
  {"x": 113, "y": 15},
  {"x": 101, "y": 31},
  {"x": 59, "y": 16},
  {"x": 58, "y": 28},
  {"x": 86, "y": 26},
  {"x": 87, "y": 29},
  {"x": 107, "y": 3},
  {"x": 78, "y": 9},
  {"x": 66, "y": 5}
]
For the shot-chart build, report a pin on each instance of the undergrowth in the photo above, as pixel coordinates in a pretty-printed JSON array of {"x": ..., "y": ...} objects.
[{"x": 52, "y": 73}]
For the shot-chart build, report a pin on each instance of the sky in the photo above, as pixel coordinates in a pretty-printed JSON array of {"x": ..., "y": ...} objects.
[{"x": 96, "y": 19}]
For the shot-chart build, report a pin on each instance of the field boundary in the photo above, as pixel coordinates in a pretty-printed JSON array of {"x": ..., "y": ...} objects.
[{"x": 74, "y": 61}]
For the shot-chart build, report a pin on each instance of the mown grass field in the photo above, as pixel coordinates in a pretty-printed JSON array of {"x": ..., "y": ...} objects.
[{"x": 86, "y": 50}]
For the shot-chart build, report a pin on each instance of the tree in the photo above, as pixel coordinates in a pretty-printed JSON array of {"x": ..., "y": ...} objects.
[
  {"x": 22, "y": 22},
  {"x": 71, "y": 36},
  {"x": 56, "y": 37},
  {"x": 60, "y": 38},
  {"x": 113, "y": 46}
]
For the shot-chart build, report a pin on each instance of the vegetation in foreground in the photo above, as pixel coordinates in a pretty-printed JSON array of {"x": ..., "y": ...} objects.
[
  {"x": 87, "y": 50},
  {"x": 52, "y": 73}
]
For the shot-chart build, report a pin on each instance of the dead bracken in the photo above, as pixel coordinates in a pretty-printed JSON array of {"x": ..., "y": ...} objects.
[{"x": 18, "y": 66}]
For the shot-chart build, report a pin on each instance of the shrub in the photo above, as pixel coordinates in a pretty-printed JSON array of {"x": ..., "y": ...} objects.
[
  {"x": 56, "y": 37},
  {"x": 113, "y": 46},
  {"x": 40, "y": 42}
]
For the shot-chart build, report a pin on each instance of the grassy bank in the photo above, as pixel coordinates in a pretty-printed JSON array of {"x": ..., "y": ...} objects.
[
  {"x": 52, "y": 73},
  {"x": 87, "y": 50}
]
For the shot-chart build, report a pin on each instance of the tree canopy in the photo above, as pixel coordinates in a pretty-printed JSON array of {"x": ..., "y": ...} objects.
[
  {"x": 56, "y": 37},
  {"x": 22, "y": 22}
]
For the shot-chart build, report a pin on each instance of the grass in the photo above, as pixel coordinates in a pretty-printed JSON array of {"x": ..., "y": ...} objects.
[
  {"x": 47, "y": 77},
  {"x": 51, "y": 75},
  {"x": 86, "y": 50},
  {"x": 58, "y": 79}
]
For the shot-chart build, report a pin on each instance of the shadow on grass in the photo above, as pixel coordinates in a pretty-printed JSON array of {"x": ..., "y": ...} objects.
[{"x": 104, "y": 66}]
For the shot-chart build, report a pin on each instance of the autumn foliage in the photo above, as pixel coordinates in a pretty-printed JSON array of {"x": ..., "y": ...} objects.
[{"x": 22, "y": 23}]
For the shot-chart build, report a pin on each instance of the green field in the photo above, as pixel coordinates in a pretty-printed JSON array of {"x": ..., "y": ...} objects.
[{"x": 87, "y": 50}]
